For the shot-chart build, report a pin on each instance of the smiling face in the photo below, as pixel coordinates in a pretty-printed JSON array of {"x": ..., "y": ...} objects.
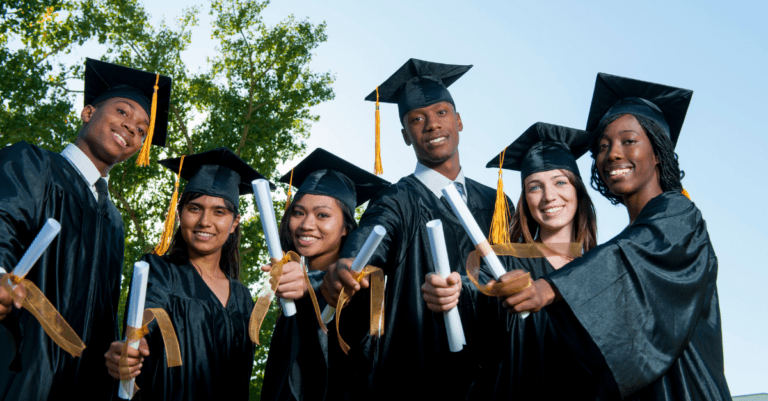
[
  {"x": 552, "y": 201},
  {"x": 316, "y": 227},
  {"x": 434, "y": 133},
  {"x": 625, "y": 159},
  {"x": 205, "y": 224},
  {"x": 114, "y": 132}
]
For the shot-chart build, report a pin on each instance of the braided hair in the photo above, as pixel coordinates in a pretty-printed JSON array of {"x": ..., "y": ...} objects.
[{"x": 670, "y": 174}]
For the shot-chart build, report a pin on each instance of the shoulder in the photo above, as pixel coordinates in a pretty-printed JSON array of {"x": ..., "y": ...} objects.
[
  {"x": 161, "y": 268},
  {"x": 26, "y": 155},
  {"x": 485, "y": 192},
  {"x": 244, "y": 296},
  {"x": 406, "y": 190}
]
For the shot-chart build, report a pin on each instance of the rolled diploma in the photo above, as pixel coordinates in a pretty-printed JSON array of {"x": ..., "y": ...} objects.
[
  {"x": 49, "y": 231},
  {"x": 135, "y": 315},
  {"x": 369, "y": 247},
  {"x": 474, "y": 232},
  {"x": 269, "y": 225},
  {"x": 453, "y": 327}
]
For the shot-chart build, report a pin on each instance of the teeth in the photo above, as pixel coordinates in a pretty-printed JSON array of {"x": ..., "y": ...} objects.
[
  {"x": 308, "y": 239},
  {"x": 437, "y": 140},
  {"x": 553, "y": 209},
  {"x": 619, "y": 172},
  {"x": 205, "y": 234},
  {"x": 119, "y": 139}
]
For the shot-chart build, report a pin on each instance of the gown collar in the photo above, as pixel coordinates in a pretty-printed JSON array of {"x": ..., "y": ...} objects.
[{"x": 435, "y": 181}]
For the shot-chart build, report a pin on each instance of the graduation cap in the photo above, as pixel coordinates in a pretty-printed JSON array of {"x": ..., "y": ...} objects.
[
  {"x": 415, "y": 85},
  {"x": 663, "y": 104},
  {"x": 219, "y": 172},
  {"x": 151, "y": 91},
  {"x": 542, "y": 147},
  {"x": 323, "y": 173}
]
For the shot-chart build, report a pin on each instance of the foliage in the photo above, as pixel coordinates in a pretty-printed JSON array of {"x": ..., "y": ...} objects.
[{"x": 255, "y": 98}]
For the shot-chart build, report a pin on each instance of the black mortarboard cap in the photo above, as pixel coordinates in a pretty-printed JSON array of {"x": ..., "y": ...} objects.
[
  {"x": 663, "y": 104},
  {"x": 219, "y": 172},
  {"x": 544, "y": 147},
  {"x": 419, "y": 84},
  {"x": 106, "y": 80},
  {"x": 323, "y": 173}
]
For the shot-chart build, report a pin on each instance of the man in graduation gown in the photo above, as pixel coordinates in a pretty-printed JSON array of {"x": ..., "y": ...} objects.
[
  {"x": 412, "y": 358},
  {"x": 80, "y": 271}
]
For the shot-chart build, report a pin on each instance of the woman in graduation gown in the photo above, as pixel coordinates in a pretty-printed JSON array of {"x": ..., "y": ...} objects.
[
  {"x": 315, "y": 224},
  {"x": 641, "y": 311},
  {"x": 197, "y": 284}
]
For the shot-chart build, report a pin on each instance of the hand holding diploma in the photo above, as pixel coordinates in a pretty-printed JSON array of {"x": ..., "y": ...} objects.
[
  {"x": 135, "y": 358},
  {"x": 292, "y": 284}
]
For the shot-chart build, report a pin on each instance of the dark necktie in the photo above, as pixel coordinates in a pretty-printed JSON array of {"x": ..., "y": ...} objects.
[
  {"x": 101, "y": 190},
  {"x": 462, "y": 192}
]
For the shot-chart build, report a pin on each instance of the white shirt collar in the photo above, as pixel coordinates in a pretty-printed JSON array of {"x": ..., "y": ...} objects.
[
  {"x": 83, "y": 164},
  {"x": 436, "y": 181}
]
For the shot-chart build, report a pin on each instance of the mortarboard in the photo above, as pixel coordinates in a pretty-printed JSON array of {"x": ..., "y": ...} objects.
[
  {"x": 151, "y": 91},
  {"x": 416, "y": 84},
  {"x": 323, "y": 173},
  {"x": 663, "y": 104}
]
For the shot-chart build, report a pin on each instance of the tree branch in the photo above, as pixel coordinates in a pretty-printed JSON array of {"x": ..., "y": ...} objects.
[
  {"x": 190, "y": 147},
  {"x": 131, "y": 213},
  {"x": 251, "y": 108},
  {"x": 243, "y": 251}
]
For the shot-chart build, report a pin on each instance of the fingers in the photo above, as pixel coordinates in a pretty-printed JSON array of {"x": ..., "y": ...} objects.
[
  {"x": 441, "y": 304},
  {"x": 441, "y": 294},
  {"x": 20, "y": 292},
  {"x": 347, "y": 278},
  {"x": 144, "y": 347},
  {"x": 266, "y": 268},
  {"x": 510, "y": 276},
  {"x": 453, "y": 279},
  {"x": 331, "y": 286},
  {"x": 112, "y": 358},
  {"x": 6, "y": 303}
]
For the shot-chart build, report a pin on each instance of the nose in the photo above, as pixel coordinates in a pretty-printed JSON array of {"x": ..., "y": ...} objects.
[
  {"x": 130, "y": 126},
  {"x": 432, "y": 124},
  {"x": 615, "y": 152},
  {"x": 205, "y": 219},
  {"x": 549, "y": 193},
  {"x": 308, "y": 223}
]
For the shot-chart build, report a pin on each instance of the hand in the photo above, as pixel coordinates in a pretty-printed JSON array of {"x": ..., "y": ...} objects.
[
  {"x": 441, "y": 294},
  {"x": 292, "y": 284},
  {"x": 533, "y": 298},
  {"x": 7, "y": 302},
  {"x": 338, "y": 276},
  {"x": 135, "y": 358}
]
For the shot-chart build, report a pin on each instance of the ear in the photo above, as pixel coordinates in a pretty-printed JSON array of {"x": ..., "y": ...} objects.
[
  {"x": 87, "y": 114},
  {"x": 344, "y": 232},
  {"x": 235, "y": 223},
  {"x": 406, "y": 137},
  {"x": 458, "y": 120}
]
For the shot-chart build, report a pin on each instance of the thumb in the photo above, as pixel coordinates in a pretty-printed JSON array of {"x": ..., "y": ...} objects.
[{"x": 453, "y": 279}]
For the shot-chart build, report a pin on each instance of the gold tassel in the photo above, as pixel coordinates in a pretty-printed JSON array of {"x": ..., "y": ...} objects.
[
  {"x": 687, "y": 195},
  {"x": 377, "y": 168},
  {"x": 500, "y": 224},
  {"x": 143, "y": 159},
  {"x": 290, "y": 185},
  {"x": 170, "y": 218}
]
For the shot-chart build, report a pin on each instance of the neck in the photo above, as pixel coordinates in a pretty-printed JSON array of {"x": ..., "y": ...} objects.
[
  {"x": 560, "y": 236},
  {"x": 637, "y": 201},
  {"x": 208, "y": 264},
  {"x": 449, "y": 168},
  {"x": 321, "y": 262},
  {"x": 100, "y": 165}
]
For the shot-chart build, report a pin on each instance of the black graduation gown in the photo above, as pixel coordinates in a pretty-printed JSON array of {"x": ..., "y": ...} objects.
[
  {"x": 641, "y": 311},
  {"x": 79, "y": 273},
  {"x": 216, "y": 352},
  {"x": 521, "y": 359},
  {"x": 412, "y": 358}
]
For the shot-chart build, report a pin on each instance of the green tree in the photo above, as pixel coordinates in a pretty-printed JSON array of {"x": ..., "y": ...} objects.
[{"x": 255, "y": 98}]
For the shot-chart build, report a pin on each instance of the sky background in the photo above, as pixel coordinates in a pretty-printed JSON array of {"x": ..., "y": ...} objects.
[{"x": 537, "y": 61}]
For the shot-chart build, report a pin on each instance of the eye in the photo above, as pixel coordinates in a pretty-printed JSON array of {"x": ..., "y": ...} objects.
[
  {"x": 192, "y": 208},
  {"x": 561, "y": 183},
  {"x": 121, "y": 111},
  {"x": 602, "y": 146},
  {"x": 297, "y": 213},
  {"x": 442, "y": 112},
  {"x": 141, "y": 131},
  {"x": 629, "y": 141},
  {"x": 323, "y": 215},
  {"x": 533, "y": 188}
]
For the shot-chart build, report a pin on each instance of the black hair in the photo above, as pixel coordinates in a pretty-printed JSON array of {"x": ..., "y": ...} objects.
[
  {"x": 670, "y": 174},
  {"x": 230, "y": 251},
  {"x": 286, "y": 242}
]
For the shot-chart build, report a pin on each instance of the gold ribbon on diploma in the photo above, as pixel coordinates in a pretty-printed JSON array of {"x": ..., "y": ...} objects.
[
  {"x": 172, "y": 350},
  {"x": 377, "y": 303},
  {"x": 41, "y": 308},
  {"x": 536, "y": 250},
  {"x": 262, "y": 304}
]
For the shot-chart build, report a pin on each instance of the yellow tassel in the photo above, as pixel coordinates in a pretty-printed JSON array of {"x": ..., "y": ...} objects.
[
  {"x": 170, "y": 219},
  {"x": 500, "y": 224},
  {"x": 377, "y": 168},
  {"x": 290, "y": 185},
  {"x": 687, "y": 195},
  {"x": 143, "y": 159}
]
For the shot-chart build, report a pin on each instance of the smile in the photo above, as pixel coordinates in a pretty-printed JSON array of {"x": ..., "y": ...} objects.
[
  {"x": 553, "y": 210},
  {"x": 309, "y": 240},
  {"x": 437, "y": 140},
  {"x": 119, "y": 139},
  {"x": 204, "y": 236},
  {"x": 619, "y": 172}
]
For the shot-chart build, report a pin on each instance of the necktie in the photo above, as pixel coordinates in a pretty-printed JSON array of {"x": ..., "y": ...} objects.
[
  {"x": 101, "y": 190},
  {"x": 461, "y": 190}
]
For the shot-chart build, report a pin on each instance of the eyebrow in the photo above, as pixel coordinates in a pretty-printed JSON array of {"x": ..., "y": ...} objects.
[{"x": 201, "y": 206}]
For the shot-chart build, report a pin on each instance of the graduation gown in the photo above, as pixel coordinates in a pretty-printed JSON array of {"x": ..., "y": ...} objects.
[
  {"x": 216, "y": 352},
  {"x": 412, "y": 358},
  {"x": 647, "y": 302},
  {"x": 79, "y": 273}
]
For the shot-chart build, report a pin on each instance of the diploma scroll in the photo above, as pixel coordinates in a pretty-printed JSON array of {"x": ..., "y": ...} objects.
[
  {"x": 369, "y": 247},
  {"x": 135, "y": 316},
  {"x": 49, "y": 231},
  {"x": 475, "y": 234},
  {"x": 453, "y": 327},
  {"x": 269, "y": 225}
]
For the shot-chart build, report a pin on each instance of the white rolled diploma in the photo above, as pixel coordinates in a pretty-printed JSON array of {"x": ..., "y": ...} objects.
[
  {"x": 369, "y": 247},
  {"x": 453, "y": 327},
  {"x": 49, "y": 231},
  {"x": 269, "y": 225},
  {"x": 135, "y": 316},
  {"x": 474, "y": 232}
]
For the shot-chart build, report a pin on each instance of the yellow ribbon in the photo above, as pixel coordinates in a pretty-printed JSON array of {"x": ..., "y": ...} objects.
[
  {"x": 172, "y": 349},
  {"x": 377, "y": 303},
  {"x": 50, "y": 319},
  {"x": 535, "y": 250}
]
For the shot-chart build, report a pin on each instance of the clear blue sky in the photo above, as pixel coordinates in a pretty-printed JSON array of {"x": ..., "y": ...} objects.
[{"x": 537, "y": 61}]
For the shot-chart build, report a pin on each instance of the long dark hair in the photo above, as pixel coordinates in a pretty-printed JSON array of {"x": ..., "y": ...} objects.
[
  {"x": 230, "y": 252},
  {"x": 670, "y": 174},
  {"x": 524, "y": 226},
  {"x": 286, "y": 242}
]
